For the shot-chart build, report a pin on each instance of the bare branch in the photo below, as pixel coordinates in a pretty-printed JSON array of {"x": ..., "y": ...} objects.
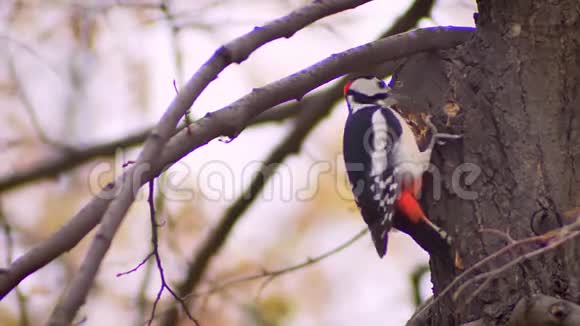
[
  {"x": 505, "y": 235},
  {"x": 69, "y": 159},
  {"x": 417, "y": 11}
]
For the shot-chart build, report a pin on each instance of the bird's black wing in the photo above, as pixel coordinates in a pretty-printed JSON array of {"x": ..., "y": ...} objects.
[{"x": 368, "y": 147}]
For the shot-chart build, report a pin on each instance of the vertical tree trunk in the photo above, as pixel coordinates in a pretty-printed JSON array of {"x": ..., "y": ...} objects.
[{"x": 517, "y": 84}]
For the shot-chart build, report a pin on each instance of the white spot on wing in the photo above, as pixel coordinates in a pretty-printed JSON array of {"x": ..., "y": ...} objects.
[
  {"x": 386, "y": 219},
  {"x": 379, "y": 150}
]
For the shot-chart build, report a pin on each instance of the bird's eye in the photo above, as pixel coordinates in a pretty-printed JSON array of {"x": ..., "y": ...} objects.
[{"x": 381, "y": 84}]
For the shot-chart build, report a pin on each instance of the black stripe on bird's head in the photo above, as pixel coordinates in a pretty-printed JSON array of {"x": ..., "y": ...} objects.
[{"x": 364, "y": 91}]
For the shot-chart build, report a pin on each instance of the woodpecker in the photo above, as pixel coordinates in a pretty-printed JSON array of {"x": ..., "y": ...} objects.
[{"x": 385, "y": 156}]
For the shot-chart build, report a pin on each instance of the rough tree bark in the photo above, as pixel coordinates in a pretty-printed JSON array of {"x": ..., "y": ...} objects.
[{"x": 516, "y": 84}]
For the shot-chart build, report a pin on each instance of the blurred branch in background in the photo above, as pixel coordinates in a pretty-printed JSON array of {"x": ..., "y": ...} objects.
[
  {"x": 416, "y": 277},
  {"x": 23, "y": 317},
  {"x": 313, "y": 110},
  {"x": 29, "y": 107},
  {"x": 168, "y": 15},
  {"x": 69, "y": 159}
]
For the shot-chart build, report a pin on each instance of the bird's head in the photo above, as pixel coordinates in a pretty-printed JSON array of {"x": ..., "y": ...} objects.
[{"x": 365, "y": 92}]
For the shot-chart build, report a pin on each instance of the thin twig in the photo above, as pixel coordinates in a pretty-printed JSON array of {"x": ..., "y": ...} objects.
[
  {"x": 141, "y": 298},
  {"x": 271, "y": 274},
  {"x": 475, "y": 267},
  {"x": 493, "y": 274},
  {"x": 155, "y": 245},
  {"x": 134, "y": 269},
  {"x": 561, "y": 236},
  {"x": 30, "y": 109},
  {"x": 11, "y": 42},
  {"x": 502, "y": 234}
]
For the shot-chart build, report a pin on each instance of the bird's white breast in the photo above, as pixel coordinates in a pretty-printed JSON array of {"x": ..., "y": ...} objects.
[{"x": 408, "y": 158}]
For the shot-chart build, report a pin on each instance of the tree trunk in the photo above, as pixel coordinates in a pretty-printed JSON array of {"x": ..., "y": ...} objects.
[{"x": 517, "y": 87}]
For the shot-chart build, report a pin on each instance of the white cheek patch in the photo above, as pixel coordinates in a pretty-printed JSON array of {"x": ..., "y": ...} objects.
[{"x": 369, "y": 86}]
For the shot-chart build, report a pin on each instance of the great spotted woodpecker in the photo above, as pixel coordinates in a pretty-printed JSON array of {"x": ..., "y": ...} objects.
[{"x": 386, "y": 155}]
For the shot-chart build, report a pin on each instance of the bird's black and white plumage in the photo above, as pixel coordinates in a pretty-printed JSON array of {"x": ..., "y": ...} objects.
[
  {"x": 383, "y": 158},
  {"x": 369, "y": 136}
]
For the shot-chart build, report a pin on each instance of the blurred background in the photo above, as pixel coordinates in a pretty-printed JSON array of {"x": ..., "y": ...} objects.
[{"x": 81, "y": 73}]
